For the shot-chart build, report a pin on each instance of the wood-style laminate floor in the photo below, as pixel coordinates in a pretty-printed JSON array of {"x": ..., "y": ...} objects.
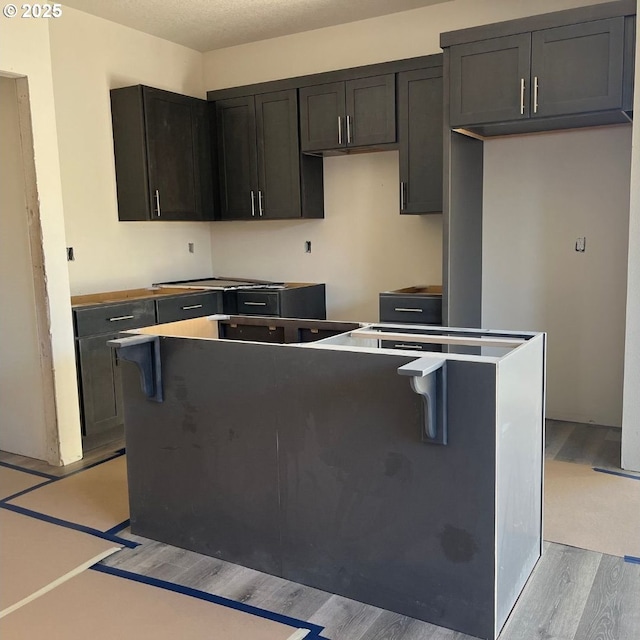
[{"x": 573, "y": 594}]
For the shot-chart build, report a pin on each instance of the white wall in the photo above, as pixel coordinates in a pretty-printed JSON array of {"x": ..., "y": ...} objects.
[
  {"x": 24, "y": 427},
  {"x": 353, "y": 261},
  {"x": 25, "y": 52},
  {"x": 89, "y": 56},
  {"x": 631, "y": 405},
  {"x": 541, "y": 193}
]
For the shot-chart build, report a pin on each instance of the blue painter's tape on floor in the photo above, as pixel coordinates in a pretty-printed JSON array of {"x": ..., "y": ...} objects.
[
  {"x": 117, "y": 454},
  {"x": 70, "y": 525},
  {"x": 209, "y": 597},
  {"x": 119, "y": 527},
  {"x": 632, "y": 559},
  {"x": 29, "y": 490},
  {"x": 15, "y": 467},
  {"x": 616, "y": 473}
]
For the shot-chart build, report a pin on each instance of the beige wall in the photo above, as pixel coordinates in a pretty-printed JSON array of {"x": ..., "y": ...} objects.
[
  {"x": 89, "y": 56},
  {"x": 631, "y": 405},
  {"x": 23, "y": 429},
  {"x": 356, "y": 261},
  {"x": 25, "y": 52},
  {"x": 541, "y": 193}
]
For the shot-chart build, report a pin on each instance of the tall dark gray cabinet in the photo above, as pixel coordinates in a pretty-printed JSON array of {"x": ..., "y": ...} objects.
[{"x": 420, "y": 139}]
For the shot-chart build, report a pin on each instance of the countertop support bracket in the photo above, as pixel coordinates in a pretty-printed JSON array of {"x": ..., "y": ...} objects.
[
  {"x": 144, "y": 351},
  {"x": 429, "y": 380}
]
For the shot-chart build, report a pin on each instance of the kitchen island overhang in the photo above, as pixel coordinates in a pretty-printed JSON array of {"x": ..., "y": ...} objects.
[{"x": 309, "y": 461}]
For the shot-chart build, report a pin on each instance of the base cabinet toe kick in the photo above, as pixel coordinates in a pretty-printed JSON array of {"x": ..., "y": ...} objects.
[{"x": 407, "y": 480}]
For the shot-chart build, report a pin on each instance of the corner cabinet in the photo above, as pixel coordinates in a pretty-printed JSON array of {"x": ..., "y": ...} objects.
[
  {"x": 261, "y": 172},
  {"x": 420, "y": 140},
  {"x": 544, "y": 76},
  {"x": 355, "y": 113},
  {"x": 162, "y": 155}
]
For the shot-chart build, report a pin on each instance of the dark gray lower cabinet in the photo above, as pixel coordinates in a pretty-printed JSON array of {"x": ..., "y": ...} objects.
[
  {"x": 412, "y": 305},
  {"x": 420, "y": 140},
  {"x": 99, "y": 378},
  {"x": 100, "y": 387},
  {"x": 183, "y": 307}
]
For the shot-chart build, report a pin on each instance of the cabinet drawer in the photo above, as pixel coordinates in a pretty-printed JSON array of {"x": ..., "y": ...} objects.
[
  {"x": 411, "y": 309},
  {"x": 259, "y": 303},
  {"x": 188, "y": 306},
  {"x": 418, "y": 346},
  {"x": 114, "y": 317}
]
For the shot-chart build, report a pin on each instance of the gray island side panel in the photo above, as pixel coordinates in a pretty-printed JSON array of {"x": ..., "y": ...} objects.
[
  {"x": 371, "y": 511},
  {"x": 202, "y": 465}
]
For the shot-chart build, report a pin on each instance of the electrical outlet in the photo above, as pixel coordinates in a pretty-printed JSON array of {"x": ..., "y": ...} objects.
[
  {"x": 307, "y": 246},
  {"x": 70, "y": 255},
  {"x": 581, "y": 245},
  {"x": 192, "y": 248}
]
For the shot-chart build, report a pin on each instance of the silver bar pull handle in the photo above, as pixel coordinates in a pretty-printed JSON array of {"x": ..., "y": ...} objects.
[
  {"x": 191, "y": 306},
  {"x": 157, "y": 210},
  {"x": 407, "y": 346},
  {"x": 348, "y": 129},
  {"x": 403, "y": 195},
  {"x": 535, "y": 95},
  {"x": 416, "y": 310},
  {"x": 521, "y": 96},
  {"x": 253, "y": 205},
  {"x": 339, "y": 130},
  {"x": 260, "y": 210},
  {"x": 118, "y": 318},
  {"x": 255, "y": 304}
]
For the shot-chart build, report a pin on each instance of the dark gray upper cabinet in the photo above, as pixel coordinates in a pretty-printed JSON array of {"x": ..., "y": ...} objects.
[
  {"x": 562, "y": 70},
  {"x": 420, "y": 140},
  {"x": 489, "y": 80},
  {"x": 162, "y": 155},
  {"x": 278, "y": 155},
  {"x": 237, "y": 158},
  {"x": 577, "y": 68},
  {"x": 355, "y": 113},
  {"x": 322, "y": 117},
  {"x": 261, "y": 174}
]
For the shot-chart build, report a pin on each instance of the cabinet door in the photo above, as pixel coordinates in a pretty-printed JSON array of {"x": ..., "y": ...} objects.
[
  {"x": 578, "y": 68},
  {"x": 371, "y": 110},
  {"x": 175, "y": 127},
  {"x": 420, "y": 140},
  {"x": 237, "y": 159},
  {"x": 100, "y": 383},
  {"x": 489, "y": 80},
  {"x": 322, "y": 117},
  {"x": 278, "y": 155}
]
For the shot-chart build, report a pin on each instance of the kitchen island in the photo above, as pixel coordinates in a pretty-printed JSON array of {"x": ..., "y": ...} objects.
[{"x": 405, "y": 480}]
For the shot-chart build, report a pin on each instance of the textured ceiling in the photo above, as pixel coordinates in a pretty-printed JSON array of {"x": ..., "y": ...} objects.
[{"x": 205, "y": 25}]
